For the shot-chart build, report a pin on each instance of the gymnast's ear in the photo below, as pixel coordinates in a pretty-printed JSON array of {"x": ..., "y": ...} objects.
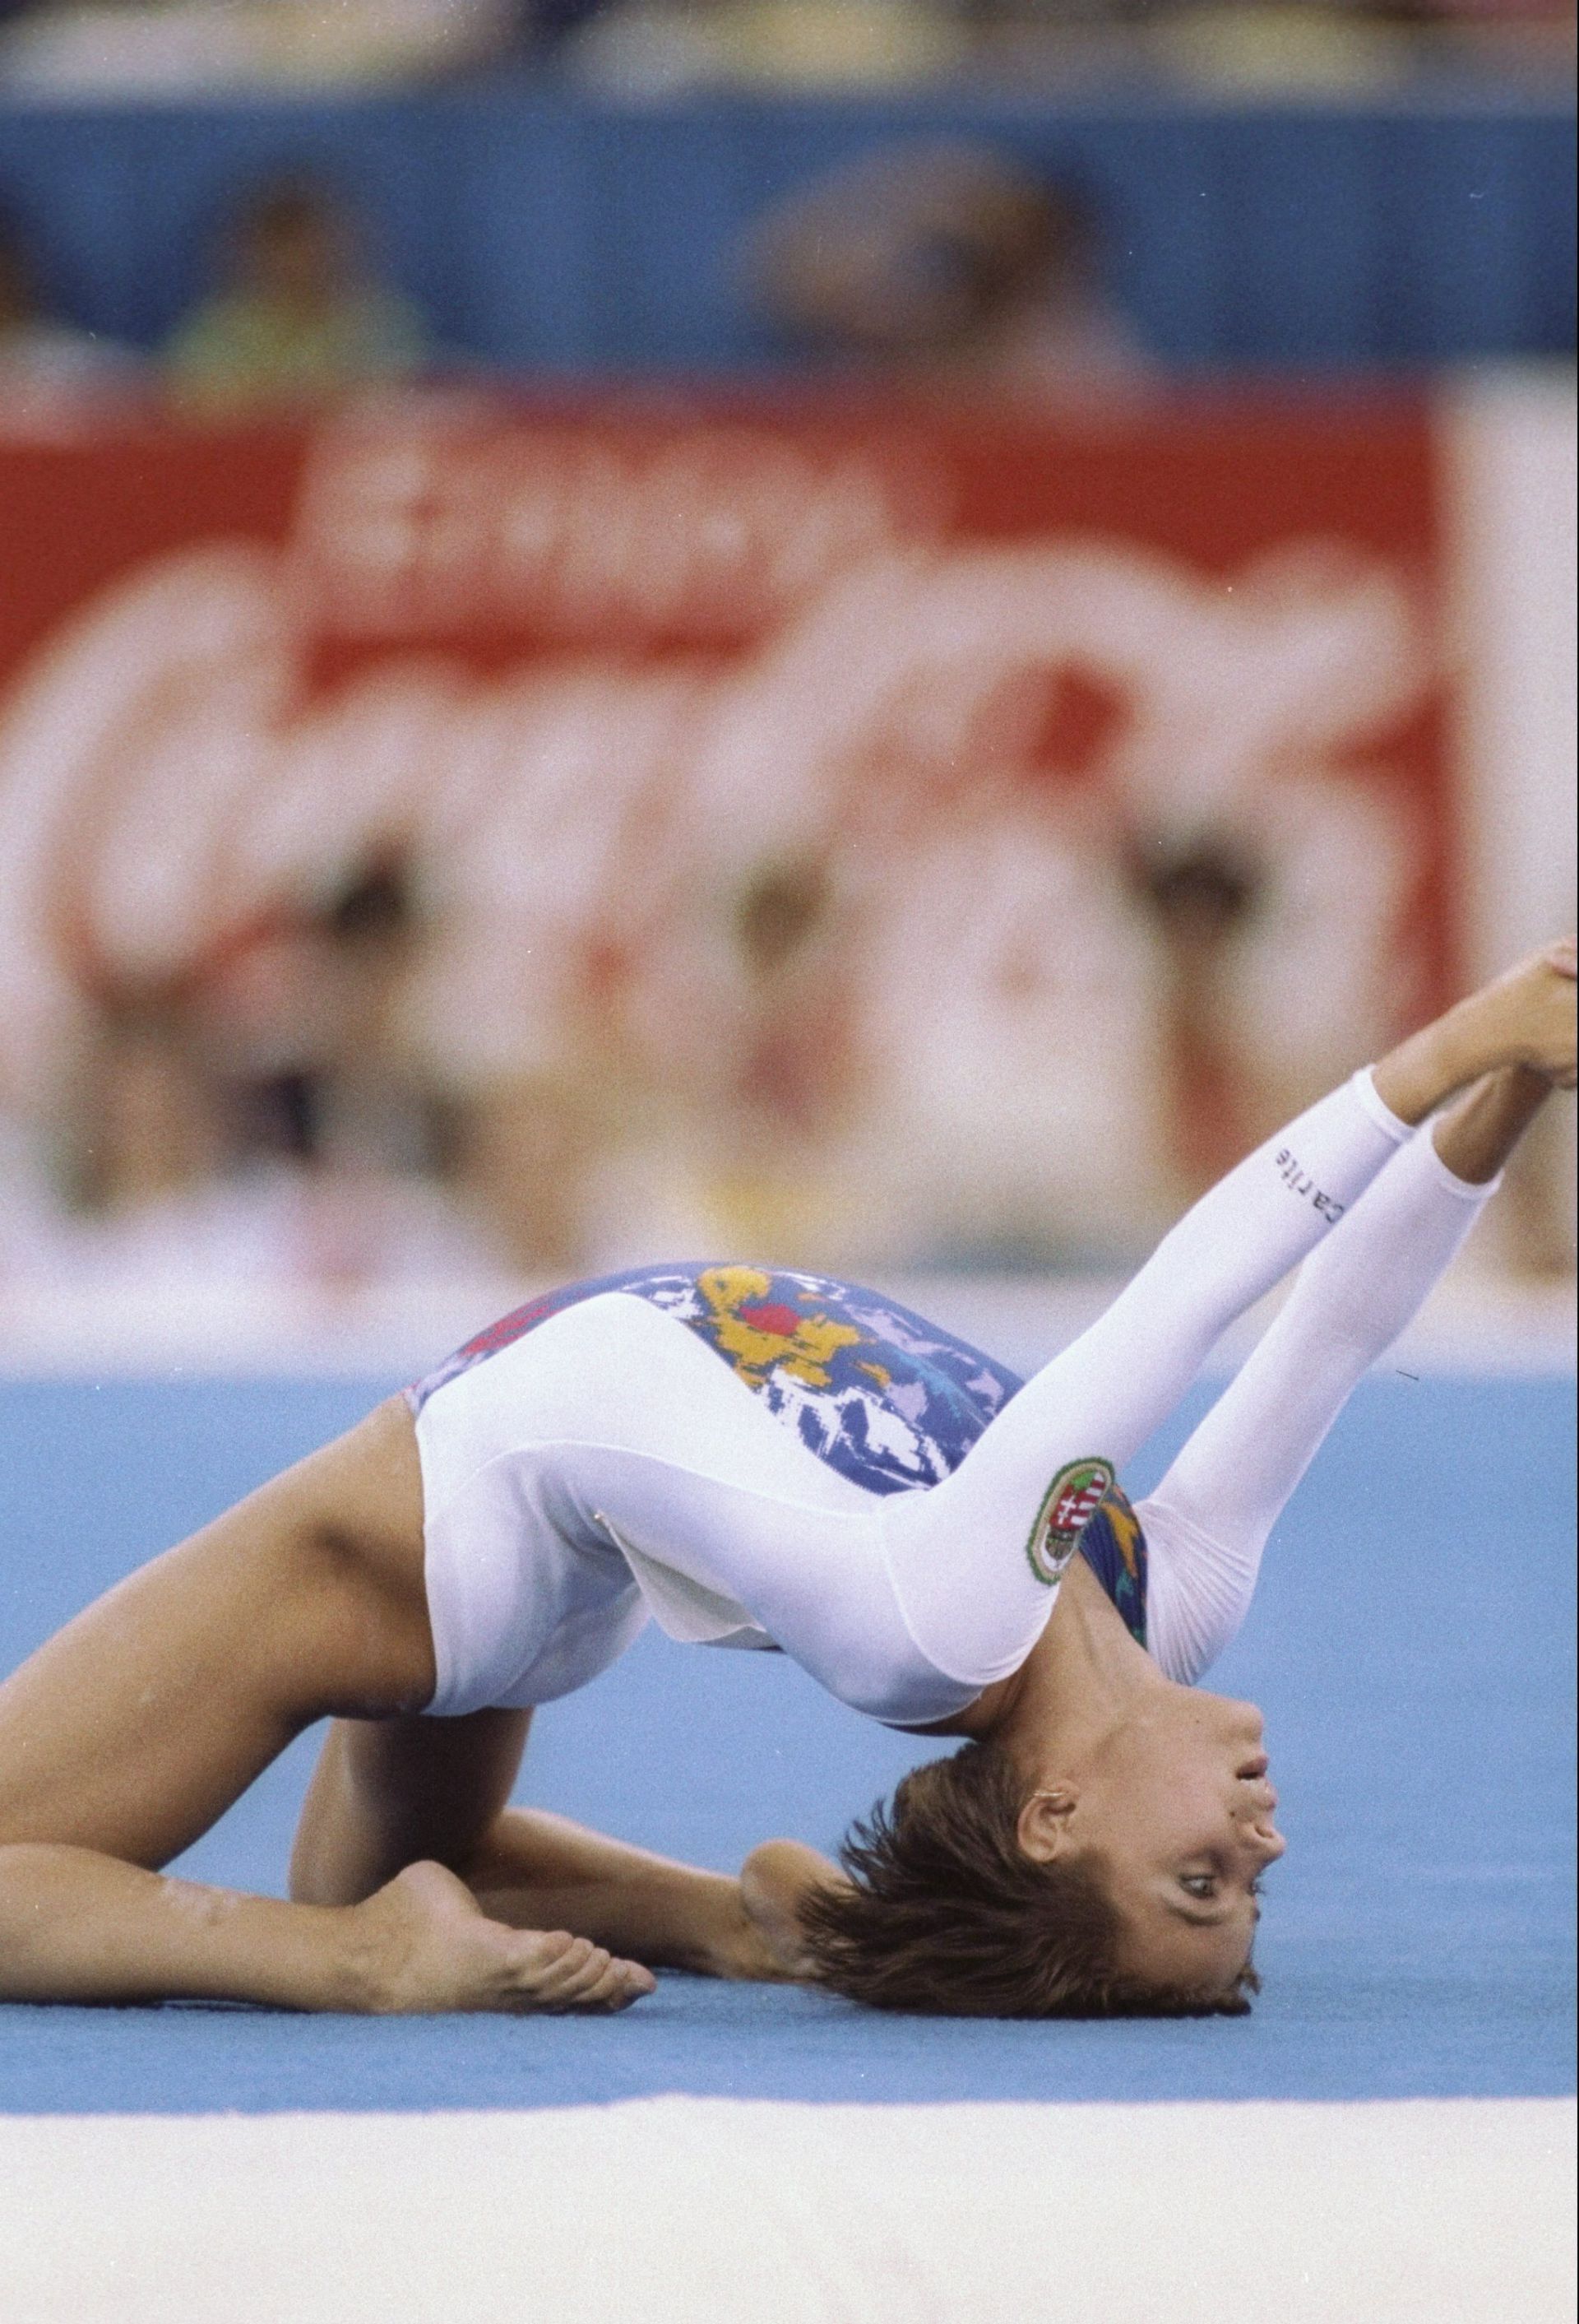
[{"x": 1043, "y": 1826}]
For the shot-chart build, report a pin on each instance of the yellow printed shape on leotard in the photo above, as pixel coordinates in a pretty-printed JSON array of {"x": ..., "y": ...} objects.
[
  {"x": 1126, "y": 1531},
  {"x": 805, "y": 1353}
]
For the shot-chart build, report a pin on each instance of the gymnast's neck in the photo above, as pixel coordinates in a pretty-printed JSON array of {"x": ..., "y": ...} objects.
[{"x": 1082, "y": 1677}]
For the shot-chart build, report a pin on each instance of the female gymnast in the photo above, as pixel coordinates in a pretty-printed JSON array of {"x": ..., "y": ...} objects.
[{"x": 762, "y": 1461}]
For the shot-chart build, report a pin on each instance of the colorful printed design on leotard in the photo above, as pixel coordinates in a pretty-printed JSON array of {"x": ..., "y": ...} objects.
[
  {"x": 1114, "y": 1546},
  {"x": 887, "y": 1399}
]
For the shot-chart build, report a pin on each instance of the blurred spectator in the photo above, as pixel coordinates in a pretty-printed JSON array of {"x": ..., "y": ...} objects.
[
  {"x": 1339, "y": 45},
  {"x": 1330, "y": 45},
  {"x": 643, "y": 48},
  {"x": 47, "y": 364},
  {"x": 649, "y": 47},
  {"x": 294, "y": 1021},
  {"x": 254, "y": 1121},
  {"x": 952, "y": 262},
  {"x": 1202, "y": 888},
  {"x": 150, "y": 1129},
  {"x": 300, "y": 321},
  {"x": 168, "y": 48}
]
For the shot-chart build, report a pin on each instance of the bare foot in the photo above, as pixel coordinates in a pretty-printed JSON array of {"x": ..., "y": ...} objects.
[
  {"x": 774, "y": 1879},
  {"x": 427, "y": 1947}
]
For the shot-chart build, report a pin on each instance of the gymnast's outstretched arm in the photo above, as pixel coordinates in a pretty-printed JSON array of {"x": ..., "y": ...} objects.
[
  {"x": 963, "y": 1556},
  {"x": 1209, "y": 1520},
  {"x": 1102, "y": 1398}
]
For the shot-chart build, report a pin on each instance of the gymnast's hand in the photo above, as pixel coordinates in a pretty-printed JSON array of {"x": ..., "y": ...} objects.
[
  {"x": 1552, "y": 1012},
  {"x": 1525, "y": 1018},
  {"x": 428, "y": 1947}
]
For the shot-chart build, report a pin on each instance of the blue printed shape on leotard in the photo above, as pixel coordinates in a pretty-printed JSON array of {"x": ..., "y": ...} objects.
[{"x": 886, "y": 1399}]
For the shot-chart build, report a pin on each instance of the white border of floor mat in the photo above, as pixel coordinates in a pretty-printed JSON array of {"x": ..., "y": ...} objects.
[{"x": 712, "y": 2211}]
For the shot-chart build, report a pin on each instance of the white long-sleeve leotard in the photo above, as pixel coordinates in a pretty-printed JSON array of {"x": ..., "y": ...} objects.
[{"x": 877, "y": 1500}]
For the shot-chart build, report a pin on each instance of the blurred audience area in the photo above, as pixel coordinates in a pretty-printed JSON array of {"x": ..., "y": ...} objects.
[
  {"x": 864, "y": 633},
  {"x": 450, "y": 837},
  {"x": 530, "y": 226},
  {"x": 653, "y": 48}
]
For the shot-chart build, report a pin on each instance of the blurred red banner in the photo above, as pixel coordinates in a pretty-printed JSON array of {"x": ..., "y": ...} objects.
[{"x": 987, "y": 821}]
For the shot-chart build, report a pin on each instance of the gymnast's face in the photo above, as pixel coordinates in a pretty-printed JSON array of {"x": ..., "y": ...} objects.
[{"x": 1175, "y": 1807}]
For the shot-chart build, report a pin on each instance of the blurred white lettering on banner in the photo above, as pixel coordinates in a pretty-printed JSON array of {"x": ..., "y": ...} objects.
[{"x": 890, "y": 835}]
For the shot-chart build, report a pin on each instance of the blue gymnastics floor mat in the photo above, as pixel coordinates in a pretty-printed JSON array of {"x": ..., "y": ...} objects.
[{"x": 1412, "y": 1645}]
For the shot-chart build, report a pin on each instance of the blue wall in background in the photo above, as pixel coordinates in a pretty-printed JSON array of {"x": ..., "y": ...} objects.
[{"x": 542, "y": 230}]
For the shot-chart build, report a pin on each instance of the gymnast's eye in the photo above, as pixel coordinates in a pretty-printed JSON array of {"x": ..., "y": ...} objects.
[{"x": 1201, "y": 1884}]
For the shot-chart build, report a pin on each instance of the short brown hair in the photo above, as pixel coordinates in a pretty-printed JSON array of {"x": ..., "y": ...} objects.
[{"x": 946, "y": 1914}]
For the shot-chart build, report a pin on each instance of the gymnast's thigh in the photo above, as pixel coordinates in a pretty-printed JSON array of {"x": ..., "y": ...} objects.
[{"x": 138, "y": 1725}]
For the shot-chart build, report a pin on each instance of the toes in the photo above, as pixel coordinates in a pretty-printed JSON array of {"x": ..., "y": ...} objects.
[
  {"x": 621, "y": 1983},
  {"x": 594, "y": 1979},
  {"x": 581, "y": 1966},
  {"x": 553, "y": 1979},
  {"x": 553, "y": 1971},
  {"x": 557, "y": 1944}
]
